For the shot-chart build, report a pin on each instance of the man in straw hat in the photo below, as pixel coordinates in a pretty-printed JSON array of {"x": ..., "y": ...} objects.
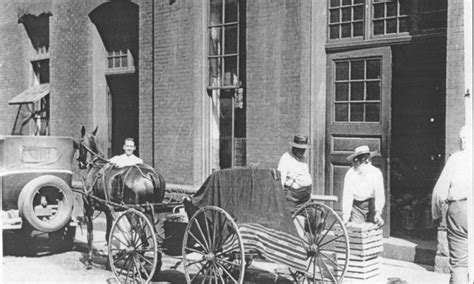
[
  {"x": 295, "y": 175},
  {"x": 363, "y": 196}
]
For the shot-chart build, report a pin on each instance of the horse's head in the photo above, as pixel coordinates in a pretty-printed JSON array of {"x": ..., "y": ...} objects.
[{"x": 86, "y": 145}]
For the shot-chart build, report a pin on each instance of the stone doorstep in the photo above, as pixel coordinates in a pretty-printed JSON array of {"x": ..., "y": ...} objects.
[{"x": 420, "y": 252}]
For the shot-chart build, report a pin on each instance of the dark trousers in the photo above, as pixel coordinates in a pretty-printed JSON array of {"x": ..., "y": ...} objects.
[
  {"x": 296, "y": 198},
  {"x": 363, "y": 211},
  {"x": 456, "y": 220}
]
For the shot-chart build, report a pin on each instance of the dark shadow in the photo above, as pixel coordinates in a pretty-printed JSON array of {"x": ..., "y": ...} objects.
[{"x": 37, "y": 29}]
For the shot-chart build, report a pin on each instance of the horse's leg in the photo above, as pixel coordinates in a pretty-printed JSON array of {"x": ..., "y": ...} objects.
[
  {"x": 90, "y": 233},
  {"x": 109, "y": 220}
]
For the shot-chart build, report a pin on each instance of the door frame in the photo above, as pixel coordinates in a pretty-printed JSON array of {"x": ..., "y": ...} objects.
[{"x": 363, "y": 129}]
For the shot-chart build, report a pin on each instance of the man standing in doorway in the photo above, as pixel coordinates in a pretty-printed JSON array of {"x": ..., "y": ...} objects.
[
  {"x": 363, "y": 194},
  {"x": 452, "y": 189}
]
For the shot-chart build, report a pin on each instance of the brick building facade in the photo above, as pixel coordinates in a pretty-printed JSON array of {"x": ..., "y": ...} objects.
[{"x": 145, "y": 69}]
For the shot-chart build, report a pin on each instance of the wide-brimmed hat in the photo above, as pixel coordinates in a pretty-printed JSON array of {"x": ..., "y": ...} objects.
[
  {"x": 300, "y": 142},
  {"x": 361, "y": 150}
]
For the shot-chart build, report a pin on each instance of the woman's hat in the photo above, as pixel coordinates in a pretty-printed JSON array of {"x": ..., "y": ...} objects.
[
  {"x": 361, "y": 150},
  {"x": 300, "y": 142}
]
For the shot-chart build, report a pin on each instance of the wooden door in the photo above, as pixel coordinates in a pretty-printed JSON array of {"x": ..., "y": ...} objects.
[{"x": 358, "y": 113}]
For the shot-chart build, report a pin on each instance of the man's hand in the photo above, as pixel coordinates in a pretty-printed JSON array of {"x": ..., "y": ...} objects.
[{"x": 378, "y": 220}]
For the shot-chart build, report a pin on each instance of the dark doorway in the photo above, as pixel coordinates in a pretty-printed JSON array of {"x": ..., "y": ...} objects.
[
  {"x": 123, "y": 101},
  {"x": 418, "y": 134}
]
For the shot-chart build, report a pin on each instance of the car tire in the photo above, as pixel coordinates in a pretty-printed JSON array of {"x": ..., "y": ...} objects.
[{"x": 27, "y": 207}]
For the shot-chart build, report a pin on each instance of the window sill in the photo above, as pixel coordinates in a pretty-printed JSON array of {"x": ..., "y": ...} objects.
[
  {"x": 39, "y": 57},
  {"x": 122, "y": 71},
  {"x": 386, "y": 40}
]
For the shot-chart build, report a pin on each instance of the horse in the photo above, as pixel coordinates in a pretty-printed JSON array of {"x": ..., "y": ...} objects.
[{"x": 105, "y": 184}]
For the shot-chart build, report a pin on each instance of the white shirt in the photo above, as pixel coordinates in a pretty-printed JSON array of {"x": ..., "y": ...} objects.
[
  {"x": 454, "y": 183},
  {"x": 124, "y": 160},
  {"x": 294, "y": 173},
  {"x": 361, "y": 186}
]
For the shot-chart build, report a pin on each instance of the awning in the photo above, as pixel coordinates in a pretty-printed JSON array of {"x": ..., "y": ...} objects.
[
  {"x": 31, "y": 95},
  {"x": 33, "y": 7}
]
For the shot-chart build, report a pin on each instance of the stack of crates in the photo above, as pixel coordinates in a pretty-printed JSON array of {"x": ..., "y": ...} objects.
[{"x": 366, "y": 246}]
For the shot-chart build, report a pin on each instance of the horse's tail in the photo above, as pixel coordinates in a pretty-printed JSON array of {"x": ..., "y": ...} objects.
[{"x": 159, "y": 185}]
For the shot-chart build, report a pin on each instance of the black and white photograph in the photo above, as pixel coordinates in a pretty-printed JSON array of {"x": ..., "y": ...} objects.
[{"x": 236, "y": 141}]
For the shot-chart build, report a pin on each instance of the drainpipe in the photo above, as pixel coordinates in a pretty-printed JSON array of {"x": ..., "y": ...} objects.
[{"x": 153, "y": 83}]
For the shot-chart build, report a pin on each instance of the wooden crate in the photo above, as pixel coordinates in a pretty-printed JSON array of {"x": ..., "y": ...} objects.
[{"x": 366, "y": 245}]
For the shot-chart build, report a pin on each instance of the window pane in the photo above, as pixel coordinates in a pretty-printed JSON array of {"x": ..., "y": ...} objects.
[
  {"x": 391, "y": 9},
  {"x": 372, "y": 112},
  {"x": 230, "y": 35},
  {"x": 342, "y": 91},
  {"x": 378, "y": 11},
  {"x": 342, "y": 71},
  {"x": 391, "y": 26},
  {"x": 357, "y": 70},
  {"x": 335, "y": 3},
  {"x": 357, "y": 112},
  {"x": 230, "y": 71},
  {"x": 404, "y": 25},
  {"x": 341, "y": 112},
  {"x": 404, "y": 7},
  {"x": 334, "y": 16},
  {"x": 358, "y": 12},
  {"x": 116, "y": 62},
  {"x": 346, "y": 14},
  {"x": 346, "y": 30},
  {"x": 215, "y": 16},
  {"x": 230, "y": 11},
  {"x": 214, "y": 72},
  {"x": 357, "y": 91},
  {"x": 215, "y": 41},
  {"x": 373, "y": 91},
  {"x": 373, "y": 69},
  {"x": 358, "y": 29},
  {"x": 334, "y": 32},
  {"x": 110, "y": 62},
  {"x": 358, "y": 1},
  {"x": 124, "y": 61},
  {"x": 379, "y": 27},
  {"x": 346, "y": 2}
]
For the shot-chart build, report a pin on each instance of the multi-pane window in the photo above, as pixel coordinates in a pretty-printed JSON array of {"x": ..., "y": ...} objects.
[
  {"x": 118, "y": 59},
  {"x": 433, "y": 14},
  {"x": 224, "y": 44},
  {"x": 346, "y": 18},
  {"x": 390, "y": 16},
  {"x": 357, "y": 90}
]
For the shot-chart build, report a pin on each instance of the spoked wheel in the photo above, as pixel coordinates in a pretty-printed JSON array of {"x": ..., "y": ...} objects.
[
  {"x": 326, "y": 242},
  {"x": 213, "y": 251},
  {"x": 133, "y": 251}
]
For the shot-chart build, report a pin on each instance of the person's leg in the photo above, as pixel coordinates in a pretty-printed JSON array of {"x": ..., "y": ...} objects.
[{"x": 457, "y": 241}]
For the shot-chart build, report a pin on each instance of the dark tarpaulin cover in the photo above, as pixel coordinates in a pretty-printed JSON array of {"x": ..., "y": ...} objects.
[{"x": 249, "y": 195}]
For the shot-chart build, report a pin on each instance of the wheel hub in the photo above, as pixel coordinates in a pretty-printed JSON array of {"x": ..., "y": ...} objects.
[
  {"x": 209, "y": 257},
  {"x": 313, "y": 250}
]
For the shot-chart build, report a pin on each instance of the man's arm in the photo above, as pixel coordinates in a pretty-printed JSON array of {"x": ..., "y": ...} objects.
[
  {"x": 379, "y": 198},
  {"x": 347, "y": 198},
  {"x": 441, "y": 191}
]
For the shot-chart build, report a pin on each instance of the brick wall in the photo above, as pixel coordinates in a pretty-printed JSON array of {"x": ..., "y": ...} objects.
[
  {"x": 454, "y": 76},
  {"x": 71, "y": 67},
  {"x": 278, "y": 77},
  {"x": 14, "y": 64},
  {"x": 176, "y": 119}
]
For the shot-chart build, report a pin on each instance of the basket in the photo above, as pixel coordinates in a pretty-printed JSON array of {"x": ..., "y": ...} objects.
[
  {"x": 427, "y": 219},
  {"x": 408, "y": 219},
  {"x": 175, "y": 227}
]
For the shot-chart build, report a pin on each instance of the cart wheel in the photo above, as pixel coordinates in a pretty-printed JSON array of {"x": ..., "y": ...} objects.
[
  {"x": 212, "y": 248},
  {"x": 133, "y": 251},
  {"x": 325, "y": 240}
]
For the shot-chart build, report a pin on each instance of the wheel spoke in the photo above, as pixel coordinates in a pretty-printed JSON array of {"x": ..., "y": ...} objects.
[
  {"x": 195, "y": 250},
  {"x": 120, "y": 258},
  {"x": 227, "y": 262},
  {"x": 145, "y": 259},
  {"x": 124, "y": 265},
  {"x": 306, "y": 234},
  {"x": 227, "y": 251},
  {"x": 327, "y": 269},
  {"x": 143, "y": 267},
  {"x": 121, "y": 241},
  {"x": 195, "y": 262},
  {"x": 198, "y": 241},
  {"x": 330, "y": 241},
  {"x": 202, "y": 233},
  {"x": 200, "y": 270},
  {"x": 211, "y": 247},
  {"x": 226, "y": 272},
  {"x": 220, "y": 276},
  {"x": 319, "y": 240},
  {"x": 331, "y": 260}
]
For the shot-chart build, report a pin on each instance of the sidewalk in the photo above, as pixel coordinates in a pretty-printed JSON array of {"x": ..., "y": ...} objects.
[{"x": 264, "y": 272}]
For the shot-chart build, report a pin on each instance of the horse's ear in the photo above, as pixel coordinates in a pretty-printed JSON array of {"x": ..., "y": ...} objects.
[
  {"x": 95, "y": 130},
  {"x": 83, "y": 130}
]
